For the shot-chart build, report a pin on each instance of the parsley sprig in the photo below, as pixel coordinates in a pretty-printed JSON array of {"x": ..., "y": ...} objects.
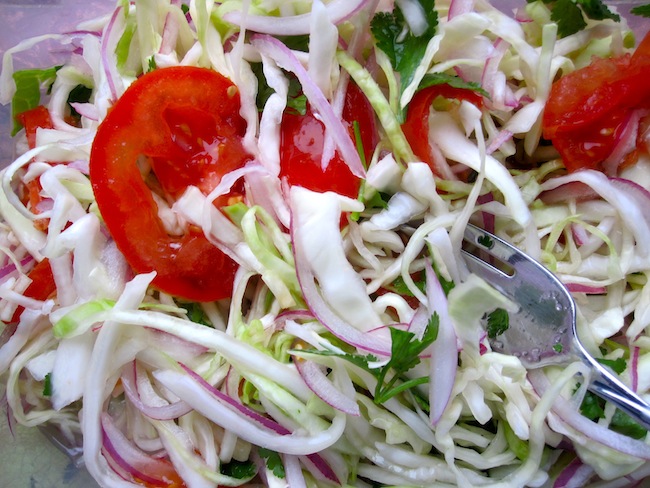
[
  {"x": 406, "y": 350},
  {"x": 569, "y": 15}
]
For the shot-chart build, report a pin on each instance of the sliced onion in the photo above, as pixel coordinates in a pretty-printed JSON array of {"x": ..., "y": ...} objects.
[
  {"x": 87, "y": 110},
  {"x": 570, "y": 415},
  {"x": 244, "y": 422},
  {"x": 132, "y": 460},
  {"x": 626, "y": 138},
  {"x": 285, "y": 58},
  {"x": 108, "y": 43},
  {"x": 320, "y": 468},
  {"x": 163, "y": 412},
  {"x": 11, "y": 267},
  {"x": 294, "y": 25},
  {"x": 634, "y": 369},
  {"x": 589, "y": 290},
  {"x": 444, "y": 350},
  {"x": 320, "y": 384},
  {"x": 573, "y": 190},
  {"x": 293, "y": 472},
  {"x": 575, "y": 475},
  {"x": 458, "y": 7},
  {"x": 169, "y": 35}
]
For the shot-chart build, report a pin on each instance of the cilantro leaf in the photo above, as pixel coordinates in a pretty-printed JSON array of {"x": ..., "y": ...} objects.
[
  {"x": 592, "y": 407},
  {"x": 405, "y": 355},
  {"x": 273, "y": 461},
  {"x": 617, "y": 365},
  {"x": 433, "y": 79},
  {"x": 641, "y": 10},
  {"x": 404, "y": 49},
  {"x": 570, "y": 14},
  {"x": 498, "y": 322},
  {"x": 242, "y": 470},
  {"x": 196, "y": 314},
  {"x": 296, "y": 100},
  {"x": 47, "y": 385},
  {"x": 29, "y": 83},
  {"x": 626, "y": 425}
]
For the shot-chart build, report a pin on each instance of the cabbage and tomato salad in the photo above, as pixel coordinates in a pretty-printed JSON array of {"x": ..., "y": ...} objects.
[{"x": 230, "y": 241}]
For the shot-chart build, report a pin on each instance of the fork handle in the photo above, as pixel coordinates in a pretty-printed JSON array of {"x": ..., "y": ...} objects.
[{"x": 609, "y": 387}]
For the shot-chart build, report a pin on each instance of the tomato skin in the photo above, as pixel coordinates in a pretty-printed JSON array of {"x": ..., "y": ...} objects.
[
  {"x": 175, "y": 117},
  {"x": 416, "y": 125},
  {"x": 41, "y": 287},
  {"x": 588, "y": 109},
  {"x": 33, "y": 119},
  {"x": 301, "y": 147}
]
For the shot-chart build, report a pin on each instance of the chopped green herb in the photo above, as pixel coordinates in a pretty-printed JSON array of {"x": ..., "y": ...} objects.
[
  {"x": 296, "y": 100},
  {"x": 29, "y": 84},
  {"x": 626, "y": 425},
  {"x": 617, "y": 365},
  {"x": 498, "y": 322},
  {"x": 570, "y": 14},
  {"x": 404, "y": 49},
  {"x": 242, "y": 470},
  {"x": 399, "y": 286},
  {"x": 592, "y": 407},
  {"x": 185, "y": 8},
  {"x": 273, "y": 461},
  {"x": 485, "y": 241},
  {"x": 641, "y": 10},
  {"x": 405, "y": 355},
  {"x": 152, "y": 64},
  {"x": 558, "y": 347},
  {"x": 47, "y": 385},
  {"x": 196, "y": 314},
  {"x": 433, "y": 79}
]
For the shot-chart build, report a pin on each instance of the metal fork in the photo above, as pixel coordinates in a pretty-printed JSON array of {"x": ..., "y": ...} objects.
[{"x": 543, "y": 330}]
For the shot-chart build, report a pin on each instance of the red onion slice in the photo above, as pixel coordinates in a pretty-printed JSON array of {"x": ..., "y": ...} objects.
[
  {"x": 320, "y": 384},
  {"x": 575, "y": 475},
  {"x": 108, "y": 43},
  {"x": 166, "y": 412},
  {"x": 295, "y": 25},
  {"x": 138, "y": 464},
  {"x": 589, "y": 290},
  {"x": 317, "y": 465},
  {"x": 568, "y": 413},
  {"x": 444, "y": 350},
  {"x": 284, "y": 58}
]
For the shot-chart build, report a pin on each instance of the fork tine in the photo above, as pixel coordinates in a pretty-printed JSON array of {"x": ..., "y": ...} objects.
[{"x": 497, "y": 278}]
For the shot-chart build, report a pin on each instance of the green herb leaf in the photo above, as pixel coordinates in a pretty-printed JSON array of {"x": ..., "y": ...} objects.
[
  {"x": 592, "y": 407},
  {"x": 641, "y": 10},
  {"x": 617, "y": 365},
  {"x": 242, "y": 470},
  {"x": 626, "y": 425},
  {"x": 403, "y": 48},
  {"x": 434, "y": 79},
  {"x": 405, "y": 355},
  {"x": 485, "y": 241},
  {"x": 273, "y": 461},
  {"x": 498, "y": 322},
  {"x": 196, "y": 314},
  {"x": 47, "y": 385},
  {"x": 29, "y": 84},
  {"x": 569, "y": 14},
  {"x": 296, "y": 100}
]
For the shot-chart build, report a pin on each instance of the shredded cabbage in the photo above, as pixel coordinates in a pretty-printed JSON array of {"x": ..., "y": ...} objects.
[{"x": 351, "y": 286}]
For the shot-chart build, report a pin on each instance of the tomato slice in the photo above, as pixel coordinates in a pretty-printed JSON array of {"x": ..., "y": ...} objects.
[
  {"x": 416, "y": 126},
  {"x": 33, "y": 119},
  {"x": 42, "y": 285},
  {"x": 588, "y": 109},
  {"x": 185, "y": 123},
  {"x": 302, "y": 140}
]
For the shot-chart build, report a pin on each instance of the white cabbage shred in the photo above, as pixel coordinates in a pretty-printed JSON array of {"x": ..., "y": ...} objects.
[{"x": 323, "y": 279}]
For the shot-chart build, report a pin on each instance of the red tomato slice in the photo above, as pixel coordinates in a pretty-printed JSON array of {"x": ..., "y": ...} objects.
[
  {"x": 41, "y": 287},
  {"x": 416, "y": 126},
  {"x": 33, "y": 119},
  {"x": 587, "y": 109},
  {"x": 185, "y": 122},
  {"x": 302, "y": 139}
]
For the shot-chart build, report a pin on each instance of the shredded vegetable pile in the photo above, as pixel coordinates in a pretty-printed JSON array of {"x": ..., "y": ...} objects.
[{"x": 231, "y": 241}]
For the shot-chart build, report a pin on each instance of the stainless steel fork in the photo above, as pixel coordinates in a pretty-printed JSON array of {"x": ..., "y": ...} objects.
[{"x": 543, "y": 330}]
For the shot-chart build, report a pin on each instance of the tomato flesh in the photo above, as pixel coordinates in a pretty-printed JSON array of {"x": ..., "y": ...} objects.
[
  {"x": 588, "y": 109},
  {"x": 416, "y": 125},
  {"x": 185, "y": 122},
  {"x": 301, "y": 148}
]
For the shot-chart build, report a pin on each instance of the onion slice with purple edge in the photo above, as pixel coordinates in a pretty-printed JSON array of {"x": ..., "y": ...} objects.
[
  {"x": 162, "y": 412},
  {"x": 243, "y": 421},
  {"x": 569, "y": 415},
  {"x": 285, "y": 59},
  {"x": 130, "y": 459},
  {"x": 444, "y": 350},
  {"x": 320, "y": 384},
  {"x": 293, "y": 25}
]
